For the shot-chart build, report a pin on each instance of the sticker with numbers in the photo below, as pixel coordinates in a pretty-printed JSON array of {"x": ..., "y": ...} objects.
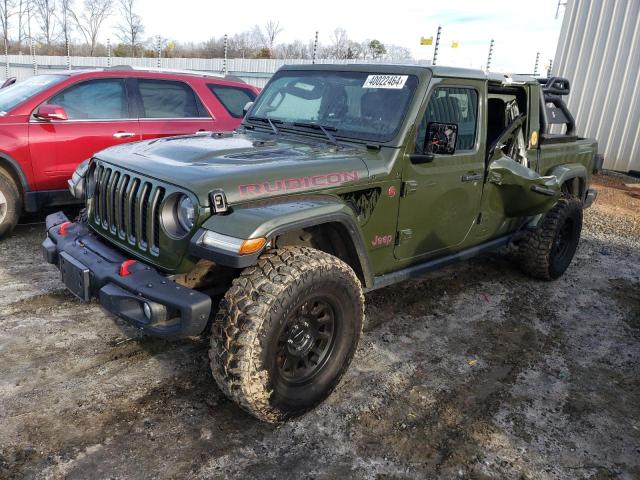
[{"x": 385, "y": 81}]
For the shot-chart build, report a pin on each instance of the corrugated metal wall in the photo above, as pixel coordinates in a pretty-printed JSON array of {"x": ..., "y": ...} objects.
[{"x": 599, "y": 52}]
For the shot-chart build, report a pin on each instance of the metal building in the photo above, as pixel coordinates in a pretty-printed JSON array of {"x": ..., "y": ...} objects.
[{"x": 599, "y": 52}]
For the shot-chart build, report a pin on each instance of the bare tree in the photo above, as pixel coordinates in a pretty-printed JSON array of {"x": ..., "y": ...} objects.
[
  {"x": 7, "y": 10},
  {"x": 339, "y": 43},
  {"x": 131, "y": 28},
  {"x": 64, "y": 18},
  {"x": 90, "y": 20},
  {"x": 268, "y": 34},
  {"x": 45, "y": 12},
  {"x": 22, "y": 20}
]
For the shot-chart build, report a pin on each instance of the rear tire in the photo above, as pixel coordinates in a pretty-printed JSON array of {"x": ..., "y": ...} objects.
[
  {"x": 10, "y": 205},
  {"x": 286, "y": 331},
  {"x": 547, "y": 252}
]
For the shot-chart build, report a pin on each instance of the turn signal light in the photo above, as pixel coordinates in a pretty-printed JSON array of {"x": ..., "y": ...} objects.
[
  {"x": 252, "y": 245},
  {"x": 124, "y": 268},
  {"x": 64, "y": 227}
]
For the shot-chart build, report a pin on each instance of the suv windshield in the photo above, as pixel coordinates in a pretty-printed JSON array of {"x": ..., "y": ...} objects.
[
  {"x": 17, "y": 93},
  {"x": 358, "y": 105}
]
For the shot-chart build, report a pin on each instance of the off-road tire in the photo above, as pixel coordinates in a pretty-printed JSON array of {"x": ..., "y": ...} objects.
[
  {"x": 257, "y": 310},
  {"x": 11, "y": 206},
  {"x": 547, "y": 252}
]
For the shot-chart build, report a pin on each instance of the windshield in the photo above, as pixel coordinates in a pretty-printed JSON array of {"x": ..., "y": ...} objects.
[
  {"x": 17, "y": 93},
  {"x": 357, "y": 105}
]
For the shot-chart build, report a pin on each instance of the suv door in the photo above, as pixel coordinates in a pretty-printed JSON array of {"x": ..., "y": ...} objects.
[
  {"x": 232, "y": 100},
  {"x": 441, "y": 199},
  {"x": 99, "y": 117},
  {"x": 170, "y": 107}
]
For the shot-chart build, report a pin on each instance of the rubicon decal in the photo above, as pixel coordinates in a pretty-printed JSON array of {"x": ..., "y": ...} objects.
[{"x": 298, "y": 183}]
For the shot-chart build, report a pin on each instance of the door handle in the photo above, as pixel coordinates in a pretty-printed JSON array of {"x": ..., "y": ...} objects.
[
  {"x": 471, "y": 177},
  {"x": 124, "y": 134},
  {"x": 204, "y": 132}
]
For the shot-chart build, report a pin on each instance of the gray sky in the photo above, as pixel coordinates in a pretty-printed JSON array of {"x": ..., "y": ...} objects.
[{"x": 519, "y": 27}]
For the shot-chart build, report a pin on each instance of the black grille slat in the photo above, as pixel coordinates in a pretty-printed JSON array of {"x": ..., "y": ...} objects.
[
  {"x": 111, "y": 211},
  {"x": 121, "y": 191},
  {"x": 97, "y": 197},
  {"x": 131, "y": 211},
  {"x": 141, "y": 213},
  {"x": 103, "y": 198},
  {"x": 152, "y": 218}
]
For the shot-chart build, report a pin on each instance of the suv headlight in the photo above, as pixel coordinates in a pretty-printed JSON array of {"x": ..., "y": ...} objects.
[{"x": 186, "y": 213}]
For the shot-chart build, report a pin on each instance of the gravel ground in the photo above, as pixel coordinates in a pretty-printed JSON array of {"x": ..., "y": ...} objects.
[{"x": 475, "y": 371}]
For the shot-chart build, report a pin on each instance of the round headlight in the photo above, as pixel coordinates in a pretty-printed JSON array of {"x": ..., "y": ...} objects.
[{"x": 186, "y": 213}]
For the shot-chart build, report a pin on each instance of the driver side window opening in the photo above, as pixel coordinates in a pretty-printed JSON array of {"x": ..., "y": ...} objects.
[
  {"x": 453, "y": 105},
  {"x": 504, "y": 105}
]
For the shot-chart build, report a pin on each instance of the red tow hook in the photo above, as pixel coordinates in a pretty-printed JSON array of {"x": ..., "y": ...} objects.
[
  {"x": 124, "y": 268},
  {"x": 63, "y": 230}
]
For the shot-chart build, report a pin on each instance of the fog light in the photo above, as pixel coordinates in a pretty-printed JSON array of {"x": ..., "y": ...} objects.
[{"x": 146, "y": 308}]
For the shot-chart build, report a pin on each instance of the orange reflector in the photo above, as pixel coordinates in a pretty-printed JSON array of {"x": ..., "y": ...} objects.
[{"x": 252, "y": 245}]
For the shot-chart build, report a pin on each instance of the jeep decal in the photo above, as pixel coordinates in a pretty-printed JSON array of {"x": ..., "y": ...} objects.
[{"x": 299, "y": 183}]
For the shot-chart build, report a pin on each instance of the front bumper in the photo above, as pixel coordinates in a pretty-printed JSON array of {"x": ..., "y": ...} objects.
[{"x": 172, "y": 310}]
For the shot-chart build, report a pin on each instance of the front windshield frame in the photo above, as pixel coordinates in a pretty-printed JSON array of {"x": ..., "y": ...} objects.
[
  {"x": 18, "y": 93},
  {"x": 256, "y": 116}
]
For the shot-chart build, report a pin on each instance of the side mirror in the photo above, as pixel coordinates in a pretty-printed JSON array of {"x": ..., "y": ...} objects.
[
  {"x": 441, "y": 138},
  {"x": 247, "y": 107},
  {"x": 51, "y": 112}
]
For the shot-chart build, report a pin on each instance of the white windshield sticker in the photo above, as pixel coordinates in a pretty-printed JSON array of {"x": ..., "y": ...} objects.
[{"x": 385, "y": 81}]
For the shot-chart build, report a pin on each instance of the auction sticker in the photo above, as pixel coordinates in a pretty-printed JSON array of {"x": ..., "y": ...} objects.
[{"x": 385, "y": 81}]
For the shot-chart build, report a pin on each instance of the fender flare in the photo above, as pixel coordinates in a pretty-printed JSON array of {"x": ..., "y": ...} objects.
[
  {"x": 14, "y": 167},
  {"x": 272, "y": 218},
  {"x": 571, "y": 171}
]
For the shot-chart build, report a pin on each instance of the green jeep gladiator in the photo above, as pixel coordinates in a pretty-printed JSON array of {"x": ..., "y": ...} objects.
[{"x": 341, "y": 179}]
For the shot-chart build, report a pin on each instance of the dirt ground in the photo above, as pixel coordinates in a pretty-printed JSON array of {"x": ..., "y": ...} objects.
[{"x": 475, "y": 371}]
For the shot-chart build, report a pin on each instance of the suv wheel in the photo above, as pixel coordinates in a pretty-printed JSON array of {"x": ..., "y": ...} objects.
[
  {"x": 286, "y": 331},
  {"x": 9, "y": 205},
  {"x": 547, "y": 252}
]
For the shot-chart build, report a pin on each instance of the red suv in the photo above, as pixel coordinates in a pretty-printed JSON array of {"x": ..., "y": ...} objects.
[{"x": 50, "y": 123}]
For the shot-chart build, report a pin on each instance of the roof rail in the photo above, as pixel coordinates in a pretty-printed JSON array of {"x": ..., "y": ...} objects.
[{"x": 172, "y": 70}]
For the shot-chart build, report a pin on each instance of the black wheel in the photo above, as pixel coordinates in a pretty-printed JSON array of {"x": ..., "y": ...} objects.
[
  {"x": 286, "y": 331},
  {"x": 10, "y": 205},
  {"x": 547, "y": 252}
]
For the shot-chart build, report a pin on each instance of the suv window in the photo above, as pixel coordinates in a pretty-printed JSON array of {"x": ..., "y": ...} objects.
[
  {"x": 94, "y": 99},
  {"x": 232, "y": 98},
  {"x": 169, "y": 99},
  {"x": 452, "y": 105}
]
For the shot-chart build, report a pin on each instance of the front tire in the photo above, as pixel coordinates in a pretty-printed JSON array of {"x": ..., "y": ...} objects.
[
  {"x": 10, "y": 205},
  {"x": 546, "y": 253},
  {"x": 286, "y": 331}
]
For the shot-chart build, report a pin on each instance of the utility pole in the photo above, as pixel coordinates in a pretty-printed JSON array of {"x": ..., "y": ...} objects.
[
  {"x": 224, "y": 61},
  {"x": 535, "y": 67},
  {"x": 315, "y": 49},
  {"x": 108, "y": 52},
  {"x": 159, "y": 50},
  {"x": 435, "y": 47},
  {"x": 6, "y": 58},
  {"x": 490, "y": 54},
  {"x": 66, "y": 41}
]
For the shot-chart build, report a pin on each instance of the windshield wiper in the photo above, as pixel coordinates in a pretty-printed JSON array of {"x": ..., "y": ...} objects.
[
  {"x": 272, "y": 123},
  {"x": 323, "y": 128}
]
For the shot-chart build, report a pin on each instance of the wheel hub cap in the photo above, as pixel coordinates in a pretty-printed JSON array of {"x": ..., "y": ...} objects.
[{"x": 306, "y": 341}]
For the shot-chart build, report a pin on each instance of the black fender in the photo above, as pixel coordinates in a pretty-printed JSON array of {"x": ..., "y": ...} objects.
[
  {"x": 272, "y": 218},
  {"x": 13, "y": 167}
]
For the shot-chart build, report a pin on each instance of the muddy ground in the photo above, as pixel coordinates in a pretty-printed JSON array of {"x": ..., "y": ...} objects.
[{"x": 472, "y": 372}]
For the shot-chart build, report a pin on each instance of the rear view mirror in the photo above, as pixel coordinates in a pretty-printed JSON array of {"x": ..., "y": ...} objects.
[
  {"x": 441, "y": 138},
  {"x": 247, "y": 107},
  {"x": 51, "y": 112}
]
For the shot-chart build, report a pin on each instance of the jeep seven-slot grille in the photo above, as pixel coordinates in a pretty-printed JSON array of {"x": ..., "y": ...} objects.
[{"x": 128, "y": 207}]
